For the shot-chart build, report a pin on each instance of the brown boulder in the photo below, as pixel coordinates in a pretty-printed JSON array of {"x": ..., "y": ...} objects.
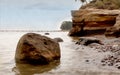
[{"x": 36, "y": 49}]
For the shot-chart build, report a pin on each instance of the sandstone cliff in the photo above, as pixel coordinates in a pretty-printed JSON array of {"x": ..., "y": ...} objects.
[
  {"x": 115, "y": 30},
  {"x": 92, "y": 21}
]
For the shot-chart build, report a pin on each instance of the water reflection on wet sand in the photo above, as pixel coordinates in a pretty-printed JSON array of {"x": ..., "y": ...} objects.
[{"x": 27, "y": 69}]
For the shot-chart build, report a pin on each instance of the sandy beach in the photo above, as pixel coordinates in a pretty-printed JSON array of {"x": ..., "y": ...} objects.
[{"x": 75, "y": 59}]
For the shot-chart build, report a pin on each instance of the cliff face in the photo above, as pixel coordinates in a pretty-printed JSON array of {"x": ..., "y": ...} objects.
[
  {"x": 115, "y": 30},
  {"x": 92, "y": 20}
]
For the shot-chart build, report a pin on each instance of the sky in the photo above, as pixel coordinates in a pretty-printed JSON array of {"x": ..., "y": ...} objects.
[{"x": 35, "y": 14}]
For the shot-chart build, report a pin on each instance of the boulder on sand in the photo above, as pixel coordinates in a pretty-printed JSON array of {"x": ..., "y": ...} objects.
[
  {"x": 57, "y": 39},
  {"x": 87, "y": 41},
  {"x": 36, "y": 49}
]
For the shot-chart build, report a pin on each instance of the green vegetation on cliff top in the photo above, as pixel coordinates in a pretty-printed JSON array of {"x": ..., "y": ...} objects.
[{"x": 101, "y": 4}]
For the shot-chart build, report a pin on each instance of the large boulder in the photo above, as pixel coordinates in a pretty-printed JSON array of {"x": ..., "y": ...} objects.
[
  {"x": 36, "y": 49},
  {"x": 93, "y": 19}
]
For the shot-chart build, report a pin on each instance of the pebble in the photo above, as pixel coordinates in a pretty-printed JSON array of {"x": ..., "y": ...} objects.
[
  {"x": 113, "y": 58},
  {"x": 86, "y": 60}
]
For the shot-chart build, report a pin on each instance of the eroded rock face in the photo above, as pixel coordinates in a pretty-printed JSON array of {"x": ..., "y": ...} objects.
[
  {"x": 36, "y": 49},
  {"x": 94, "y": 19},
  {"x": 75, "y": 31},
  {"x": 115, "y": 30}
]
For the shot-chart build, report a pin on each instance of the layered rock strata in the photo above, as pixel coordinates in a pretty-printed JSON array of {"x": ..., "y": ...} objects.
[
  {"x": 115, "y": 30},
  {"x": 96, "y": 20}
]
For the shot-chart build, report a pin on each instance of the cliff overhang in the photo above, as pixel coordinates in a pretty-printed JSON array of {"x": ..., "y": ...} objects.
[{"x": 92, "y": 21}]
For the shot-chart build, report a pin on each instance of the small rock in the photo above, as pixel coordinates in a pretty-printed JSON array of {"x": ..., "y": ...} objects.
[
  {"x": 118, "y": 67},
  {"x": 87, "y": 41},
  {"x": 58, "y": 39},
  {"x": 86, "y": 60},
  {"x": 47, "y": 33}
]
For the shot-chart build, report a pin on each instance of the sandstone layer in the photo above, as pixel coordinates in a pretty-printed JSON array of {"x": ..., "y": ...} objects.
[{"x": 96, "y": 20}]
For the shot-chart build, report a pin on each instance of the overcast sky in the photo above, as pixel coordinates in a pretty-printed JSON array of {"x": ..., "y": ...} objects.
[{"x": 35, "y": 14}]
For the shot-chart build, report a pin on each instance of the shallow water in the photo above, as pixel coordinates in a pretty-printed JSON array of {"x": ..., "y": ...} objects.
[{"x": 71, "y": 62}]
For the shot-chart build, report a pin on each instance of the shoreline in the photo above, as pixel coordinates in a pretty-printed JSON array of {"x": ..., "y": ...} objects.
[{"x": 97, "y": 53}]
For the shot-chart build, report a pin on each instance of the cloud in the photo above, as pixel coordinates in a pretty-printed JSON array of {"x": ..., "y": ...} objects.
[
  {"x": 34, "y": 12},
  {"x": 51, "y": 5},
  {"x": 39, "y": 4},
  {"x": 46, "y": 7}
]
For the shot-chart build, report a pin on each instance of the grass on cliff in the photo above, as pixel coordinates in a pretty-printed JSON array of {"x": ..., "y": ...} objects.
[{"x": 103, "y": 4}]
